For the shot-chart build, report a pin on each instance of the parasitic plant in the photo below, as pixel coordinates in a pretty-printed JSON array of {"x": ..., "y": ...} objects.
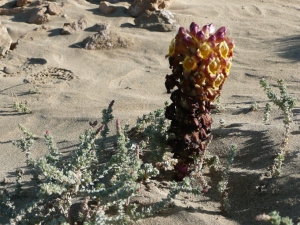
[{"x": 200, "y": 59}]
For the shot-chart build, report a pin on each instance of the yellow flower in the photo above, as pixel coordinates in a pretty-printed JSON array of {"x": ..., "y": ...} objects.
[
  {"x": 228, "y": 66},
  {"x": 214, "y": 66},
  {"x": 189, "y": 64},
  {"x": 223, "y": 49},
  {"x": 219, "y": 80},
  {"x": 205, "y": 50},
  {"x": 200, "y": 79}
]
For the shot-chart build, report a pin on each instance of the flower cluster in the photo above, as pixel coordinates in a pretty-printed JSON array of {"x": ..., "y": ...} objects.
[
  {"x": 206, "y": 56},
  {"x": 200, "y": 60}
]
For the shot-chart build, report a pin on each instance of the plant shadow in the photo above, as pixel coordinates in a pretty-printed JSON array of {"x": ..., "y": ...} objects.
[
  {"x": 257, "y": 150},
  {"x": 289, "y": 47},
  {"x": 250, "y": 198}
]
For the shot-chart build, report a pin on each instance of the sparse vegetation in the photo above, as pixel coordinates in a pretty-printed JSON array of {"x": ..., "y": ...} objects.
[
  {"x": 59, "y": 182},
  {"x": 285, "y": 103},
  {"x": 222, "y": 123},
  {"x": 254, "y": 106},
  {"x": 35, "y": 90},
  {"x": 223, "y": 184},
  {"x": 21, "y": 107},
  {"x": 275, "y": 219},
  {"x": 98, "y": 181}
]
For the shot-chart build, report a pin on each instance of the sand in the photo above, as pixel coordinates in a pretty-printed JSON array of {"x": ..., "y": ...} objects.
[{"x": 83, "y": 82}]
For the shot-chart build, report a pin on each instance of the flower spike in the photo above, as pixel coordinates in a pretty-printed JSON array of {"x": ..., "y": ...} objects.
[{"x": 200, "y": 60}]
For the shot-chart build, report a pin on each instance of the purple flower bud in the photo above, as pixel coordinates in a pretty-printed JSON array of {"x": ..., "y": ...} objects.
[
  {"x": 220, "y": 36},
  {"x": 181, "y": 32},
  {"x": 200, "y": 36},
  {"x": 188, "y": 41},
  {"x": 212, "y": 39},
  {"x": 47, "y": 132},
  {"x": 211, "y": 28},
  {"x": 222, "y": 29},
  {"x": 208, "y": 29},
  {"x": 194, "y": 29},
  {"x": 205, "y": 29}
]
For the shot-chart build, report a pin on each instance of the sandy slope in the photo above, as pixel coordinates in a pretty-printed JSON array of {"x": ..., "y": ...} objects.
[{"x": 266, "y": 33}]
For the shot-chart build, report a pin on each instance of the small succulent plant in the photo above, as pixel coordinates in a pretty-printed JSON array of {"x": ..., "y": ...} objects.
[
  {"x": 104, "y": 185},
  {"x": 275, "y": 219},
  {"x": 200, "y": 59},
  {"x": 285, "y": 102}
]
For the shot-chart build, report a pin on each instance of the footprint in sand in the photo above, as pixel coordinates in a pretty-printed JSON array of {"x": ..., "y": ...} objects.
[
  {"x": 50, "y": 75},
  {"x": 35, "y": 71}
]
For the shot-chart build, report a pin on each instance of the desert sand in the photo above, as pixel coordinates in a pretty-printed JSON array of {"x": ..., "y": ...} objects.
[{"x": 76, "y": 84}]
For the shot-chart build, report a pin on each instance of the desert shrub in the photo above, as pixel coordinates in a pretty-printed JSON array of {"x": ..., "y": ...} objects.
[
  {"x": 285, "y": 102},
  {"x": 275, "y": 219},
  {"x": 59, "y": 182}
]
